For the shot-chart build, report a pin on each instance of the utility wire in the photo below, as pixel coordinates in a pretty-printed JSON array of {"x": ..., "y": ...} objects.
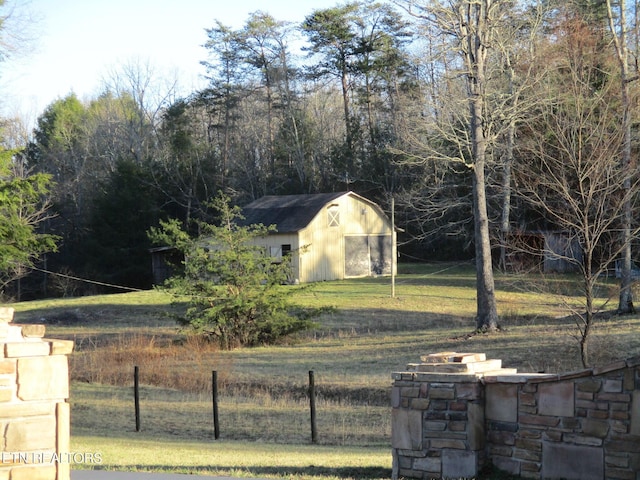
[{"x": 94, "y": 282}]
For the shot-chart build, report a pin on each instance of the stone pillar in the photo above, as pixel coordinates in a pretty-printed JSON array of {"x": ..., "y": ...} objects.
[
  {"x": 34, "y": 408},
  {"x": 455, "y": 412},
  {"x": 438, "y": 424}
]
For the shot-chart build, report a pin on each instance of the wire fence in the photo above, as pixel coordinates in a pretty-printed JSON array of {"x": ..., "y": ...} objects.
[{"x": 215, "y": 400}]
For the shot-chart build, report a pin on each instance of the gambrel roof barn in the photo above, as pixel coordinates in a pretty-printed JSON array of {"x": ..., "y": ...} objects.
[{"x": 329, "y": 236}]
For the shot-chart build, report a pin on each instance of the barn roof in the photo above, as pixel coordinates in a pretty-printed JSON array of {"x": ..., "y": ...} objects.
[{"x": 289, "y": 213}]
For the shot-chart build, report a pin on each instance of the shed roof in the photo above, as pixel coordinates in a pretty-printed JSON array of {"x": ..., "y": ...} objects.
[
  {"x": 292, "y": 213},
  {"x": 289, "y": 213}
]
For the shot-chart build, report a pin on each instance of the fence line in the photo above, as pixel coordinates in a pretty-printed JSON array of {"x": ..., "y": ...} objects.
[{"x": 215, "y": 403}]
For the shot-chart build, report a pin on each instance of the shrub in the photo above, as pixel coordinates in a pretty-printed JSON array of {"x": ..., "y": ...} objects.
[{"x": 236, "y": 293}]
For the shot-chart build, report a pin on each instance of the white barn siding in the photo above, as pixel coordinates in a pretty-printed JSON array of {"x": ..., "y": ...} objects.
[
  {"x": 320, "y": 259},
  {"x": 357, "y": 222},
  {"x": 344, "y": 225},
  {"x": 273, "y": 245}
]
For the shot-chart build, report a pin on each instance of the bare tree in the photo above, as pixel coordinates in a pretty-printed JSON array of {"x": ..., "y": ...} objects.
[
  {"x": 471, "y": 30},
  {"x": 139, "y": 95},
  {"x": 517, "y": 54},
  {"x": 620, "y": 41},
  {"x": 18, "y": 28},
  {"x": 570, "y": 173}
]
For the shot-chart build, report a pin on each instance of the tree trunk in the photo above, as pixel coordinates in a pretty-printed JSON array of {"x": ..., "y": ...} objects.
[
  {"x": 344, "y": 80},
  {"x": 507, "y": 162},
  {"x": 625, "y": 303},
  {"x": 589, "y": 313},
  {"x": 505, "y": 224},
  {"x": 487, "y": 313},
  {"x": 476, "y": 15}
]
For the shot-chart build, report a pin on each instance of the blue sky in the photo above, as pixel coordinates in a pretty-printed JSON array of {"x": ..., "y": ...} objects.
[{"x": 77, "y": 43}]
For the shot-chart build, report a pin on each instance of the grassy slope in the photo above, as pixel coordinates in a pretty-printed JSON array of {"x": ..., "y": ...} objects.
[
  {"x": 353, "y": 353},
  {"x": 238, "y": 459}
]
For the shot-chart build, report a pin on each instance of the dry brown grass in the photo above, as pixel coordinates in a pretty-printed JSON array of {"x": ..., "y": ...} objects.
[
  {"x": 264, "y": 390},
  {"x": 182, "y": 364}
]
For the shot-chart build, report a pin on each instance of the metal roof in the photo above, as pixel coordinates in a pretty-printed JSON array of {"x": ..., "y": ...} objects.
[{"x": 289, "y": 213}]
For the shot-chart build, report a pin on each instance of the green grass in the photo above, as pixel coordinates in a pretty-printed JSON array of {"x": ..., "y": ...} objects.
[
  {"x": 167, "y": 413},
  {"x": 237, "y": 459},
  {"x": 263, "y": 402}
]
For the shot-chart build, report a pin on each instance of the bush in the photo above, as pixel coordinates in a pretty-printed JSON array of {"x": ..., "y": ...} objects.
[{"x": 236, "y": 293}]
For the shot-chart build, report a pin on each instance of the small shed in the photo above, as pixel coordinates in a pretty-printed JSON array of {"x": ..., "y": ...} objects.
[
  {"x": 543, "y": 250},
  {"x": 162, "y": 261},
  {"x": 562, "y": 253},
  {"x": 329, "y": 236}
]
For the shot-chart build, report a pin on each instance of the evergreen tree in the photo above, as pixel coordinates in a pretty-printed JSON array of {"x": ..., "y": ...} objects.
[
  {"x": 236, "y": 293},
  {"x": 117, "y": 246},
  {"x": 23, "y": 208}
]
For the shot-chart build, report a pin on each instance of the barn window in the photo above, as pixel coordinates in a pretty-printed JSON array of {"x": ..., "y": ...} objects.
[
  {"x": 333, "y": 216},
  {"x": 277, "y": 253}
]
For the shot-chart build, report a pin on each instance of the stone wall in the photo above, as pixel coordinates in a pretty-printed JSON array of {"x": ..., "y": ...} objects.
[
  {"x": 34, "y": 408},
  {"x": 455, "y": 413}
]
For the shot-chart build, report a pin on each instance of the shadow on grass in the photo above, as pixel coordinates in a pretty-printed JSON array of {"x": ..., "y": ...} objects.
[
  {"x": 301, "y": 473},
  {"x": 77, "y": 314},
  {"x": 309, "y": 472}
]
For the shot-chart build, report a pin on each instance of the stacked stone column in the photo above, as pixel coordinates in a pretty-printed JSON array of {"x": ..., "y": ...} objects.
[
  {"x": 578, "y": 426},
  {"x": 34, "y": 408},
  {"x": 438, "y": 416},
  {"x": 455, "y": 413}
]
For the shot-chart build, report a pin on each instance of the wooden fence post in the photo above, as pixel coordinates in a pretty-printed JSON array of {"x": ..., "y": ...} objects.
[
  {"x": 312, "y": 407},
  {"x": 136, "y": 395},
  {"x": 214, "y": 394}
]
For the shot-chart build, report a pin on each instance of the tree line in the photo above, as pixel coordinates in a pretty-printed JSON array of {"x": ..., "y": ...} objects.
[{"x": 488, "y": 122}]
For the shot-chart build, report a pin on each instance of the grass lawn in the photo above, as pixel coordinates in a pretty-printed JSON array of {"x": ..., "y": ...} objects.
[
  {"x": 263, "y": 397},
  {"x": 237, "y": 459}
]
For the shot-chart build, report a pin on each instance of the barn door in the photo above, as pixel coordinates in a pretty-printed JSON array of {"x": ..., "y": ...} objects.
[
  {"x": 380, "y": 254},
  {"x": 367, "y": 255},
  {"x": 356, "y": 256}
]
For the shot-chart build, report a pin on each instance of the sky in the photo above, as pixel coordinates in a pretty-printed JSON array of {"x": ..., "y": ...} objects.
[{"x": 77, "y": 44}]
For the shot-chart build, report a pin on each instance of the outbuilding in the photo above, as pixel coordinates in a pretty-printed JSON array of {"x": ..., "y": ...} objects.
[{"x": 329, "y": 236}]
